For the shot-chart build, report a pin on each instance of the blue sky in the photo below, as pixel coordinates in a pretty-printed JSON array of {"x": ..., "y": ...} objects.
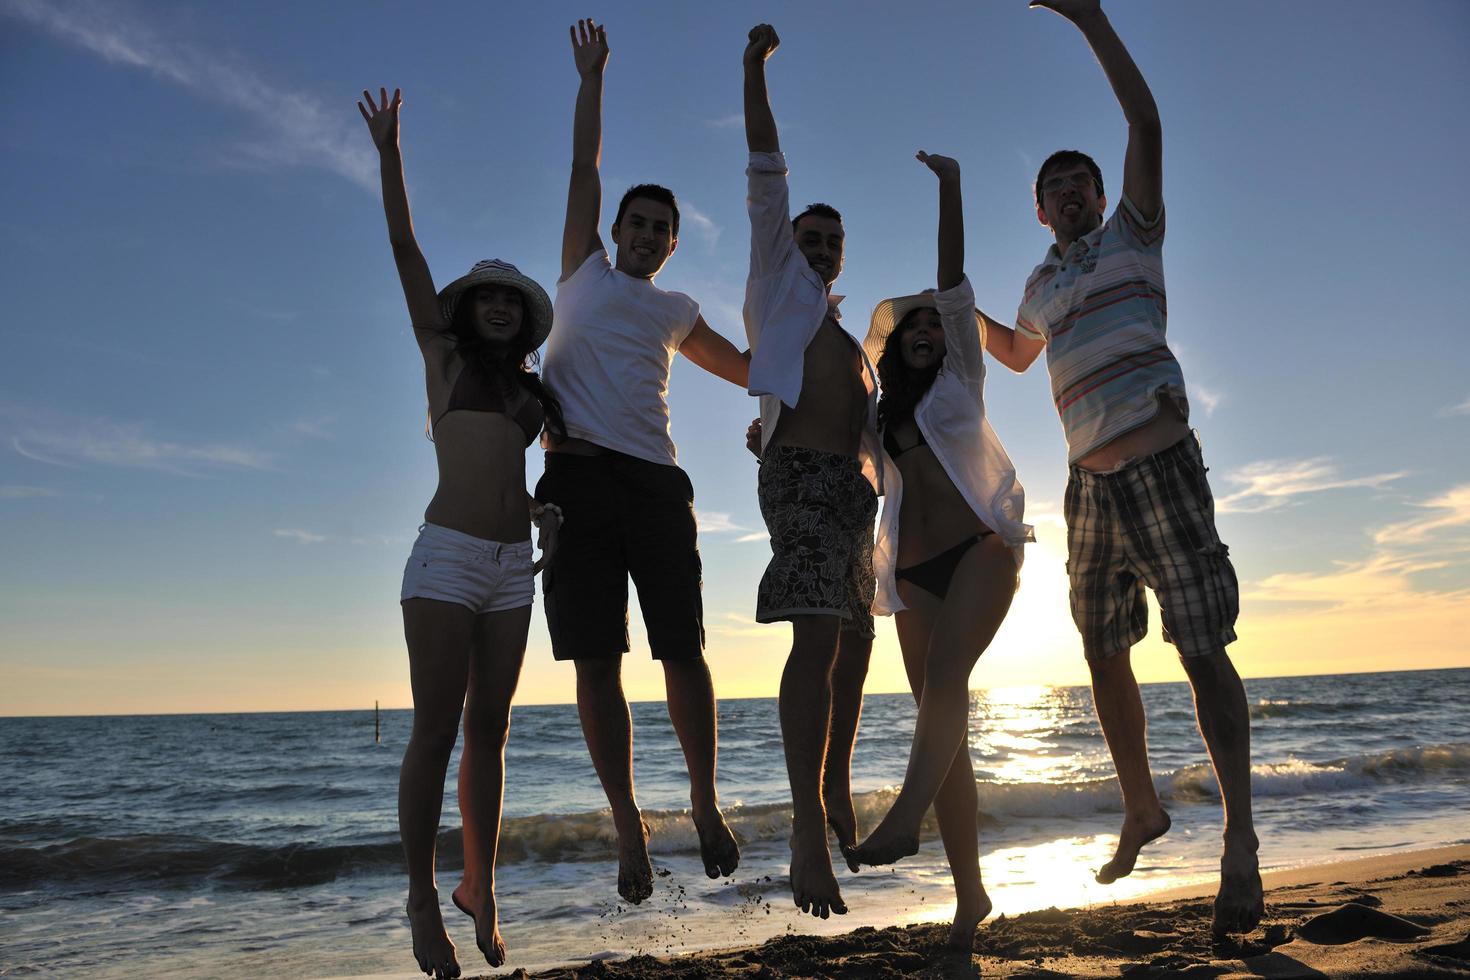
[{"x": 212, "y": 458}]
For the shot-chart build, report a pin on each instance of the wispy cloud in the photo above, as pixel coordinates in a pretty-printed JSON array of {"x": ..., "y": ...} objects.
[
  {"x": 1461, "y": 409},
  {"x": 11, "y": 491},
  {"x": 1207, "y": 398},
  {"x": 296, "y": 129},
  {"x": 74, "y": 442},
  {"x": 740, "y": 625},
  {"x": 1449, "y": 511},
  {"x": 709, "y": 232},
  {"x": 296, "y": 534},
  {"x": 719, "y": 522},
  {"x": 319, "y": 428},
  {"x": 1385, "y": 578},
  {"x": 727, "y": 122},
  {"x": 1269, "y": 484}
]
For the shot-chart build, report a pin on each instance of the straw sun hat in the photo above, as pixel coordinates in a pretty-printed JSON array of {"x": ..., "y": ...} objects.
[
  {"x": 889, "y": 313},
  {"x": 494, "y": 272}
]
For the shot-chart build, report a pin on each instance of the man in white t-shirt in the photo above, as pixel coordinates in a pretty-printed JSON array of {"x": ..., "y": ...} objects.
[{"x": 628, "y": 509}]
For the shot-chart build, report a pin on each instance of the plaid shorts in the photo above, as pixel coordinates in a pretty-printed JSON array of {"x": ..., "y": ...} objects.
[
  {"x": 820, "y": 511},
  {"x": 1151, "y": 522}
]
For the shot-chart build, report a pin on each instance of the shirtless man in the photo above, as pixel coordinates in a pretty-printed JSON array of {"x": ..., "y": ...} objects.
[
  {"x": 1138, "y": 507},
  {"x": 628, "y": 509},
  {"x": 818, "y": 488}
]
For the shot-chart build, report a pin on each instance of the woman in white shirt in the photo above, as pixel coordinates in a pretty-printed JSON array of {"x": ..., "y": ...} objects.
[{"x": 949, "y": 546}]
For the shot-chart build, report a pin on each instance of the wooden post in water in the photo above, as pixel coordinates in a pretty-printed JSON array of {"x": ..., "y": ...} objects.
[{"x": 377, "y": 731}]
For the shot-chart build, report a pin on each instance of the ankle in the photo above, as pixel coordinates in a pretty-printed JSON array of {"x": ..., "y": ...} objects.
[{"x": 1241, "y": 841}]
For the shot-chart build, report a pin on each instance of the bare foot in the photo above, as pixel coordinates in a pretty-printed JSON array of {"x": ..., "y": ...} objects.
[
  {"x": 717, "y": 846},
  {"x": 431, "y": 945},
  {"x": 1239, "y": 904},
  {"x": 885, "y": 845},
  {"x": 481, "y": 908},
  {"x": 1131, "y": 839},
  {"x": 968, "y": 914},
  {"x": 635, "y": 872},
  {"x": 842, "y": 818},
  {"x": 813, "y": 885}
]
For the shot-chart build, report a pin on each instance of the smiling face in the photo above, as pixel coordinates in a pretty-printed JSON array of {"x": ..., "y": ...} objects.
[
  {"x": 644, "y": 237},
  {"x": 920, "y": 339},
  {"x": 1070, "y": 204},
  {"x": 496, "y": 313},
  {"x": 820, "y": 239}
]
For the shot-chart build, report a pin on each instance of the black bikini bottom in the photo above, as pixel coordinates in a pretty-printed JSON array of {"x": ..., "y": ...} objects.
[{"x": 933, "y": 575}]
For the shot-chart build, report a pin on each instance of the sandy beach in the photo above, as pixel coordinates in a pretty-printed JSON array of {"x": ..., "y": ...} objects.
[{"x": 1397, "y": 915}]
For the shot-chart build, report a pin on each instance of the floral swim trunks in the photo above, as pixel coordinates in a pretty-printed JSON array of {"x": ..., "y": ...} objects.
[{"x": 820, "y": 510}]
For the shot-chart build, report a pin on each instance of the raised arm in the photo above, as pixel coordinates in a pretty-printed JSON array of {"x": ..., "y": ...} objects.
[
  {"x": 951, "y": 218},
  {"x": 579, "y": 237},
  {"x": 1143, "y": 164},
  {"x": 713, "y": 352},
  {"x": 381, "y": 116},
  {"x": 760, "y": 125}
]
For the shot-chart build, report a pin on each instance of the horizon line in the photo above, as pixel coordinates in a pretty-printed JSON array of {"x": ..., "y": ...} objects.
[{"x": 768, "y": 697}]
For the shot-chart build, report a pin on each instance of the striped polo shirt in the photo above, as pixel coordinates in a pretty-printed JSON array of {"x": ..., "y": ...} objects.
[{"x": 1100, "y": 310}]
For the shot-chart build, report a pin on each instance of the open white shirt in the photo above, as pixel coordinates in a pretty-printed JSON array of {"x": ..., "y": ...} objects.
[
  {"x": 785, "y": 304},
  {"x": 951, "y": 416}
]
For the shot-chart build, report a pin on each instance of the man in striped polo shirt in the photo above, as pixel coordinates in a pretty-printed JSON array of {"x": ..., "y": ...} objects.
[{"x": 1138, "y": 507}]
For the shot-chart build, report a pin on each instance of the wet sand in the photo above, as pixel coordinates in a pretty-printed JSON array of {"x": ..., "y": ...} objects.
[{"x": 1398, "y": 915}]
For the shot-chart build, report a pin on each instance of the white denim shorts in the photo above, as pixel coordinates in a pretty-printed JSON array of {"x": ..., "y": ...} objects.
[{"x": 485, "y": 576}]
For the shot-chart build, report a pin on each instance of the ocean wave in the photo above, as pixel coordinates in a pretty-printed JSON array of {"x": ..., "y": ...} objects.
[
  {"x": 589, "y": 836},
  {"x": 1300, "y": 708}
]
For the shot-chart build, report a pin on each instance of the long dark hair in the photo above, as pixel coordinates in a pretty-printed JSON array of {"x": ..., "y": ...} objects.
[
  {"x": 514, "y": 363},
  {"x": 903, "y": 387}
]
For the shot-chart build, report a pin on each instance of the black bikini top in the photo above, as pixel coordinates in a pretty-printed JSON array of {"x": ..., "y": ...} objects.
[
  {"x": 890, "y": 442},
  {"x": 477, "y": 390}
]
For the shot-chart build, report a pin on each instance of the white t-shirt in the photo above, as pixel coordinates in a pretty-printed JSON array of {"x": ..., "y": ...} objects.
[{"x": 612, "y": 343}]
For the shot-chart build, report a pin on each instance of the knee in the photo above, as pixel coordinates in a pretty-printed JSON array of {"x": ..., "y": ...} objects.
[
  {"x": 1208, "y": 671},
  {"x": 598, "y": 674},
  {"x": 1112, "y": 669},
  {"x": 487, "y": 725},
  {"x": 434, "y": 735}
]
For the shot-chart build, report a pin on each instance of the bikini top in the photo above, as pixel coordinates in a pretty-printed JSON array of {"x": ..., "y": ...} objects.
[
  {"x": 890, "y": 442},
  {"x": 477, "y": 390}
]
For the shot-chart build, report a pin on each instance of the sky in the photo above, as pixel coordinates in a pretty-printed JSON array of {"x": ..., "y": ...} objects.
[{"x": 212, "y": 456}]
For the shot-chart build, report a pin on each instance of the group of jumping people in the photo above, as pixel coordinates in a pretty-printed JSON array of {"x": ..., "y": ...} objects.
[{"x": 901, "y": 416}]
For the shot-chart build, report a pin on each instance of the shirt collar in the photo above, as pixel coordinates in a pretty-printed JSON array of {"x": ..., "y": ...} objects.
[{"x": 833, "y": 299}]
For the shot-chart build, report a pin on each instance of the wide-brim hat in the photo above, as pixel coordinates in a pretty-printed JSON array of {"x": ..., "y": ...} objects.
[
  {"x": 889, "y": 313},
  {"x": 498, "y": 273}
]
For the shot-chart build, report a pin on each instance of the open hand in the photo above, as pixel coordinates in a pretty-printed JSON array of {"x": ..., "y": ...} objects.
[
  {"x": 382, "y": 117},
  {"x": 942, "y": 166},
  {"x": 1070, "y": 9},
  {"x": 589, "y": 46},
  {"x": 763, "y": 43}
]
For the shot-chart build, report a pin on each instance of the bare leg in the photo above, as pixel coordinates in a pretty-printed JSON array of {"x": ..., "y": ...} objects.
[
  {"x": 963, "y": 626},
  {"x": 439, "y": 637},
  {"x": 1224, "y": 721},
  {"x": 691, "y": 701},
  {"x": 806, "y": 712},
  {"x": 957, "y": 805},
  {"x": 495, "y": 668},
  {"x": 853, "y": 654},
  {"x": 1120, "y": 713},
  {"x": 607, "y": 725}
]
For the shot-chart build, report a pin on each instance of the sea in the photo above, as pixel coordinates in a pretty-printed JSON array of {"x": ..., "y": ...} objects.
[{"x": 263, "y": 845}]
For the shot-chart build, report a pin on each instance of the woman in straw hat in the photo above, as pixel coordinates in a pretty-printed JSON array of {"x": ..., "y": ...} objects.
[
  {"x": 948, "y": 549},
  {"x": 467, "y": 587}
]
